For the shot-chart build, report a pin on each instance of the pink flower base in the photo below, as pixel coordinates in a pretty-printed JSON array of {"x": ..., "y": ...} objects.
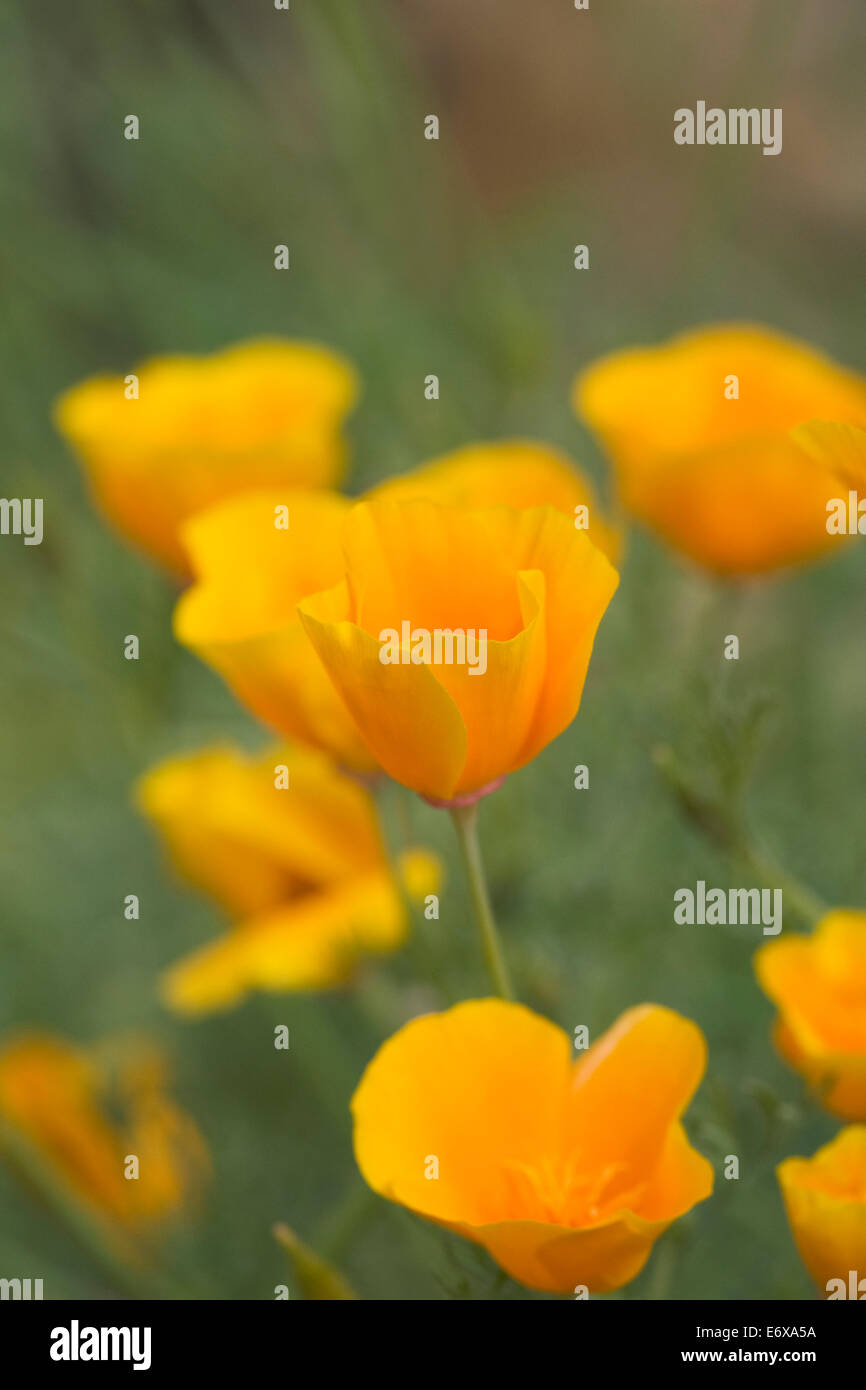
[{"x": 467, "y": 799}]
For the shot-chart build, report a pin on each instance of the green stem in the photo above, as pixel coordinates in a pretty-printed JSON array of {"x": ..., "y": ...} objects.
[
  {"x": 344, "y": 1222},
  {"x": 466, "y": 824},
  {"x": 719, "y": 824},
  {"x": 805, "y": 903}
]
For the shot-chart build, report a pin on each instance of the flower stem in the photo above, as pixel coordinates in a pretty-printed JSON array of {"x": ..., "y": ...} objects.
[{"x": 466, "y": 824}]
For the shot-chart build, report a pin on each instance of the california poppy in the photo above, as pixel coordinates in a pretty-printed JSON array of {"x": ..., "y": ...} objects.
[
  {"x": 825, "y": 1199},
  {"x": 508, "y": 473},
  {"x": 180, "y": 433},
  {"x": 565, "y": 1171},
  {"x": 699, "y": 432},
  {"x": 523, "y": 589},
  {"x": 818, "y": 984},
  {"x": 292, "y": 852},
  {"x": 59, "y": 1100},
  {"x": 253, "y": 558}
]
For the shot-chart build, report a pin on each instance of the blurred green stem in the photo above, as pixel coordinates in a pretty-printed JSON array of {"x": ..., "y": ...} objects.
[
  {"x": 719, "y": 823},
  {"x": 466, "y": 824},
  {"x": 345, "y": 1220},
  {"x": 805, "y": 903}
]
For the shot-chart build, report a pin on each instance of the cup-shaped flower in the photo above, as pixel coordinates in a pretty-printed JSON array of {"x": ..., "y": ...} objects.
[
  {"x": 825, "y": 1198},
  {"x": 699, "y": 431},
  {"x": 460, "y": 639},
  {"x": 565, "y": 1171},
  {"x": 818, "y": 984},
  {"x": 181, "y": 433},
  {"x": 291, "y": 850},
  {"x": 60, "y": 1104},
  {"x": 254, "y": 557},
  {"x": 508, "y": 473}
]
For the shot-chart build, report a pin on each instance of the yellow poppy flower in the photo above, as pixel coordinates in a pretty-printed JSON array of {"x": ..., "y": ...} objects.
[
  {"x": 565, "y": 1171},
  {"x": 818, "y": 984},
  {"x": 507, "y": 473},
  {"x": 300, "y": 868},
  {"x": 265, "y": 413},
  {"x": 526, "y": 591},
  {"x": 254, "y": 557},
  {"x": 825, "y": 1198},
  {"x": 55, "y": 1097},
  {"x": 699, "y": 431}
]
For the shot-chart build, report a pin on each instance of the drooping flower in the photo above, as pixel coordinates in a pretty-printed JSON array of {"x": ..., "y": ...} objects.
[
  {"x": 825, "y": 1198},
  {"x": 525, "y": 584},
  {"x": 818, "y": 984},
  {"x": 699, "y": 431},
  {"x": 517, "y": 473},
  {"x": 565, "y": 1171},
  {"x": 59, "y": 1102},
  {"x": 254, "y": 557},
  {"x": 290, "y": 849},
  {"x": 266, "y": 413}
]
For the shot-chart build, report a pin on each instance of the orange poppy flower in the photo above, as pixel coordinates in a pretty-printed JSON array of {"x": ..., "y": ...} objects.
[
  {"x": 254, "y": 557},
  {"x": 266, "y": 413},
  {"x": 818, "y": 983},
  {"x": 524, "y": 589},
  {"x": 699, "y": 431},
  {"x": 55, "y": 1098},
  {"x": 825, "y": 1198},
  {"x": 291, "y": 850},
  {"x": 565, "y": 1171},
  {"x": 507, "y": 473}
]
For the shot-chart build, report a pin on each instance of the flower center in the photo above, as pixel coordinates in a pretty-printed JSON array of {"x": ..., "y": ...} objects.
[{"x": 563, "y": 1192}]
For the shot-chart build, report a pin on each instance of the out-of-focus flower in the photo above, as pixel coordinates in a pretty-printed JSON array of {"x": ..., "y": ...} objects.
[
  {"x": 57, "y": 1099},
  {"x": 300, "y": 868},
  {"x": 526, "y": 582},
  {"x": 507, "y": 473},
  {"x": 839, "y": 448},
  {"x": 266, "y": 413},
  {"x": 699, "y": 431},
  {"x": 254, "y": 557},
  {"x": 818, "y": 984},
  {"x": 825, "y": 1198},
  {"x": 565, "y": 1171}
]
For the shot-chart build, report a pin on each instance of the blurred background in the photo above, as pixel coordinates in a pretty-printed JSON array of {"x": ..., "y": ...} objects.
[{"x": 261, "y": 127}]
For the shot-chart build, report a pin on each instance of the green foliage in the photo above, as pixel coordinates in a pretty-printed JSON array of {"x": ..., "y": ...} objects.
[{"x": 253, "y": 134}]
